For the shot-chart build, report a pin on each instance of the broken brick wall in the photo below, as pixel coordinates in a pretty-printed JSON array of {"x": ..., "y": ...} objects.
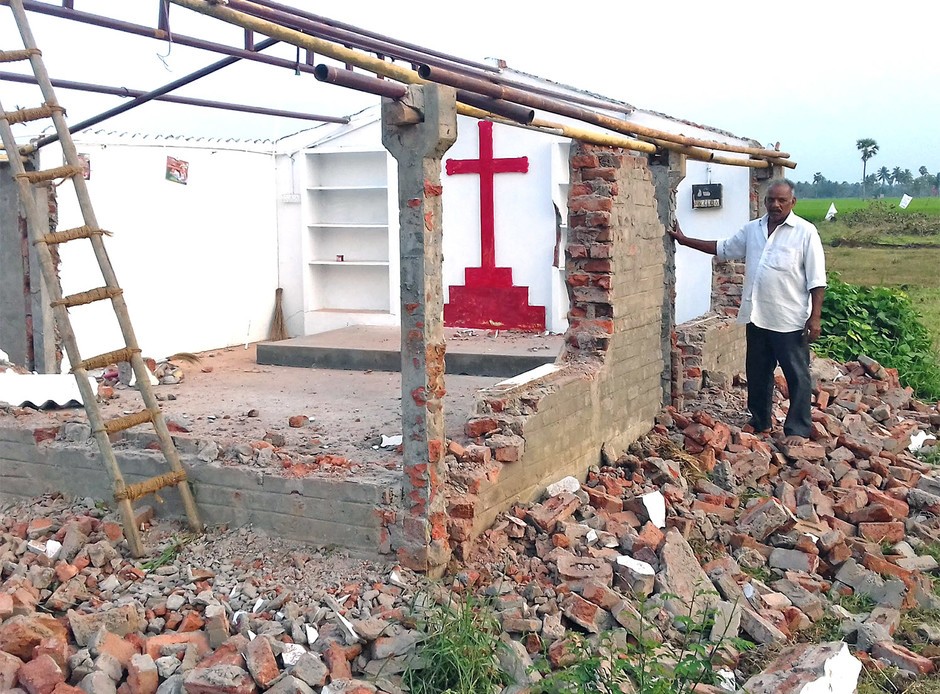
[
  {"x": 711, "y": 351},
  {"x": 605, "y": 389}
]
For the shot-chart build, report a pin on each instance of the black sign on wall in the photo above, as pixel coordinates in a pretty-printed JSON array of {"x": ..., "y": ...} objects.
[{"x": 706, "y": 195}]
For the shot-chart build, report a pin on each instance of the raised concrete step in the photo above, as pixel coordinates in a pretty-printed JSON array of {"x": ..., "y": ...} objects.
[{"x": 360, "y": 348}]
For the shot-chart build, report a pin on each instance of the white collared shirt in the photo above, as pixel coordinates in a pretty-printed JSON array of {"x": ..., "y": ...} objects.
[{"x": 779, "y": 271}]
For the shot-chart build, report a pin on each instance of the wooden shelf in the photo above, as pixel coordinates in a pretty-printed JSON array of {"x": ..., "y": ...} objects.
[{"x": 347, "y": 213}]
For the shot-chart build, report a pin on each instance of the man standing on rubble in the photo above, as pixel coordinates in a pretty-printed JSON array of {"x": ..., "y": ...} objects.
[{"x": 781, "y": 304}]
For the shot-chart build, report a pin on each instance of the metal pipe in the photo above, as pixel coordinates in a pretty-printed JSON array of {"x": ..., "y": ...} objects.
[
  {"x": 148, "y": 32},
  {"x": 519, "y": 96},
  {"x": 363, "y": 83},
  {"x": 459, "y": 64},
  {"x": 354, "y": 37},
  {"x": 173, "y": 99},
  {"x": 395, "y": 90},
  {"x": 373, "y": 35},
  {"x": 150, "y": 96},
  {"x": 380, "y": 67}
]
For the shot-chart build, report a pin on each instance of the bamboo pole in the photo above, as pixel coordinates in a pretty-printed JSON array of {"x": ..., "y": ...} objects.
[{"x": 407, "y": 76}]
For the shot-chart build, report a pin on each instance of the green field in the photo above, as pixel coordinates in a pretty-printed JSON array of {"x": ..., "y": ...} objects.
[{"x": 815, "y": 210}]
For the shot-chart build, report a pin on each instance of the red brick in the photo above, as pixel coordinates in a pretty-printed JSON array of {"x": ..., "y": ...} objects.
[
  {"x": 142, "y": 676},
  {"x": 557, "y": 508},
  {"x": 585, "y": 614},
  {"x": 335, "y": 658},
  {"x": 41, "y": 675},
  {"x": 902, "y": 658},
  {"x": 724, "y": 513},
  {"x": 898, "y": 508},
  {"x": 259, "y": 657},
  {"x": 599, "y": 499},
  {"x": 481, "y": 426},
  {"x": 198, "y": 638},
  {"x": 590, "y": 203},
  {"x": 651, "y": 537},
  {"x": 882, "y": 532}
]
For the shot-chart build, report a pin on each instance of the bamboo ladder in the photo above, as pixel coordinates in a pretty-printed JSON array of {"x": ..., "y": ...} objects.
[{"x": 124, "y": 493}]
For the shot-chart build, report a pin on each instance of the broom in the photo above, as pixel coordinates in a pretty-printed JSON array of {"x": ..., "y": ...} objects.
[{"x": 278, "y": 330}]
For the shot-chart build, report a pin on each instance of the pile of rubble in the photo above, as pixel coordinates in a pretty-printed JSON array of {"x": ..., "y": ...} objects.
[
  {"x": 243, "y": 613},
  {"x": 837, "y": 537},
  {"x": 796, "y": 547}
]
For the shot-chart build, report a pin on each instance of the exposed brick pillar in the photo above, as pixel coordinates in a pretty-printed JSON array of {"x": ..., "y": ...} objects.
[
  {"x": 417, "y": 131},
  {"x": 668, "y": 170}
]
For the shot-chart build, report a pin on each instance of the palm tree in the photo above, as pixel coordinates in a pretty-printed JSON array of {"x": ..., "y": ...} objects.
[
  {"x": 818, "y": 178},
  {"x": 884, "y": 176},
  {"x": 896, "y": 175},
  {"x": 869, "y": 148},
  {"x": 907, "y": 177}
]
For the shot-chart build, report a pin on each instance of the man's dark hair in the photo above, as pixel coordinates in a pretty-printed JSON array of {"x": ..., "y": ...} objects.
[{"x": 782, "y": 182}]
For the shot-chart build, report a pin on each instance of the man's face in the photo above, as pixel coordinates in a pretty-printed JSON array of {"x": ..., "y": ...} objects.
[{"x": 779, "y": 203}]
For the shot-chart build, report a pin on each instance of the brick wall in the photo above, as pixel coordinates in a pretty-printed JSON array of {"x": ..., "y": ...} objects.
[
  {"x": 711, "y": 350},
  {"x": 605, "y": 388}
]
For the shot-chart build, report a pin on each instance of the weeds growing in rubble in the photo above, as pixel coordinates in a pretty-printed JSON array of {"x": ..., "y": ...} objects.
[
  {"x": 459, "y": 651},
  {"x": 168, "y": 555},
  {"x": 601, "y": 665},
  {"x": 857, "y": 603},
  {"x": 930, "y": 455}
]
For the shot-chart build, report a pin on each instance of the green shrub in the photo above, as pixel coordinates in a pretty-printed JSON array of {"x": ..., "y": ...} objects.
[
  {"x": 458, "y": 653},
  {"x": 880, "y": 323}
]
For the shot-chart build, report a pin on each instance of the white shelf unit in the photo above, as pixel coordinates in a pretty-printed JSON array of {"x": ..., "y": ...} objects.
[{"x": 351, "y": 248}]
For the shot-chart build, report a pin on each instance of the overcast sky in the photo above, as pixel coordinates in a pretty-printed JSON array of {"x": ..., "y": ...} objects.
[{"x": 815, "y": 76}]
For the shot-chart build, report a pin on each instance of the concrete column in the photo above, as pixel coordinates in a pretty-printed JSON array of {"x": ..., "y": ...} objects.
[
  {"x": 417, "y": 130},
  {"x": 668, "y": 170},
  {"x": 27, "y": 328}
]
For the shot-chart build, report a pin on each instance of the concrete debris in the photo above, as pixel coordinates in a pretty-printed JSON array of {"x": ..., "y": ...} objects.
[
  {"x": 827, "y": 667},
  {"x": 697, "y": 518}
]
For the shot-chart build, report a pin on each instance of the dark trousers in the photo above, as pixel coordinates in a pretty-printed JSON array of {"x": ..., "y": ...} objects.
[{"x": 766, "y": 349}]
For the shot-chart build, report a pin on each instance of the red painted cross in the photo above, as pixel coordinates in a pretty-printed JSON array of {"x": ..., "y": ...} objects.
[{"x": 487, "y": 166}]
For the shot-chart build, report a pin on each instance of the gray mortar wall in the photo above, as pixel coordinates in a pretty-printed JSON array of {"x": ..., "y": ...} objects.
[
  {"x": 610, "y": 387},
  {"x": 27, "y": 332},
  {"x": 309, "y": 509}
]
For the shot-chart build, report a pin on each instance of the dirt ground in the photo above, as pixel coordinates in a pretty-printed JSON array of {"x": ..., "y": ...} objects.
[{"x": 229, "y": 398}]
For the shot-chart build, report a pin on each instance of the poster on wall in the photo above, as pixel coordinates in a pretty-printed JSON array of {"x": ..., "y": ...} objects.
[
  {"x": 85, "y": 161},
  {"x": 177, "y": 170}
]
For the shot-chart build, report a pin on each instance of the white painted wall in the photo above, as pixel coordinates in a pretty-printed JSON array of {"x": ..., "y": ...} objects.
[
  {"x": 694, "y": 269},
  {"x": 525, "y": 217},
  {"x": 198, "y": 262}
]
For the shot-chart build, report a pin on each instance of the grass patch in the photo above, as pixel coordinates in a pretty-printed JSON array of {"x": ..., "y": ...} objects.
[
  {"x": 458, "y": 653},
  {"x": 815, "y": 210},
  {"x": 856, "y": 604}
]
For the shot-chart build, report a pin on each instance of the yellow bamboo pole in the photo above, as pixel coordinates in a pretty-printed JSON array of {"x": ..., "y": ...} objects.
[{"x": 401, "y": 74}]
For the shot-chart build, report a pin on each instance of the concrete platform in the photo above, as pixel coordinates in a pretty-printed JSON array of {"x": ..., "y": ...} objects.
[{"x": 363, "y": 348}]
